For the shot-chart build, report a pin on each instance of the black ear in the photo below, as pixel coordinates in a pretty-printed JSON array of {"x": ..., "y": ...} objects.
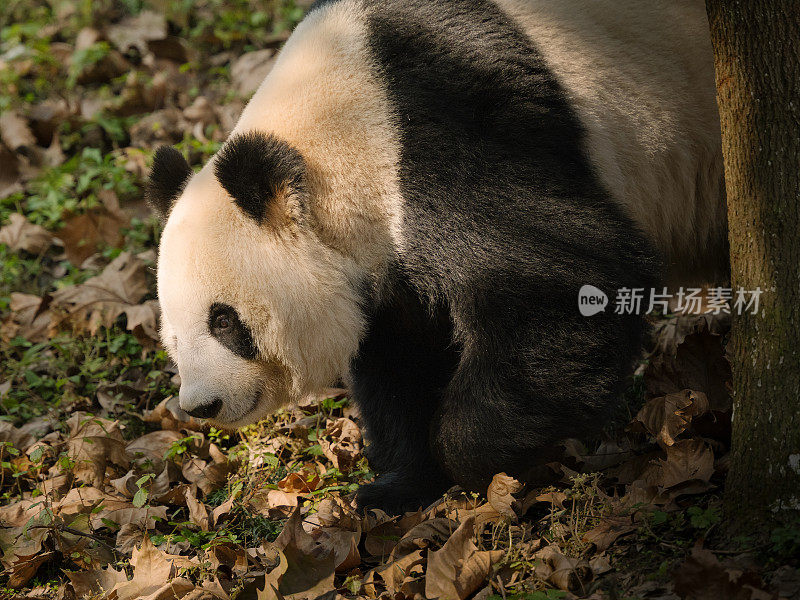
[
  {"x": 168, "y": 176},
  {"x": 264, "y": 175}
]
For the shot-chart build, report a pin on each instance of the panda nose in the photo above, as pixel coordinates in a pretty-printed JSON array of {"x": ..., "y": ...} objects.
[{"x": 207, "y": 411}]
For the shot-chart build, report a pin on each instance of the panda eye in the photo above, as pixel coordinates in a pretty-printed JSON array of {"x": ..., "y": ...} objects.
[
  {"x": 222, "y": 322},
  {"x": 226, "y": 326}
]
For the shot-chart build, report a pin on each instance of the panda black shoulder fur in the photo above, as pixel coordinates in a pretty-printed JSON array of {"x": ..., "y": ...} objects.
[{"x": 412, "y": 200}]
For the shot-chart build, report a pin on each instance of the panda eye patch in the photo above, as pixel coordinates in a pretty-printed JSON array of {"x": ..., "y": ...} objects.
[{"x": 227, "y": 327}]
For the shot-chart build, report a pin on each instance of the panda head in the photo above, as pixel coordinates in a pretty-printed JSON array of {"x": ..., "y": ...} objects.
[{"x": 256, "y": 310}]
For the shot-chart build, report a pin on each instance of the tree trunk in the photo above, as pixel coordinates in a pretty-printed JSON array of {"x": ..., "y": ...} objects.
[{"x": 757, "y": 59}]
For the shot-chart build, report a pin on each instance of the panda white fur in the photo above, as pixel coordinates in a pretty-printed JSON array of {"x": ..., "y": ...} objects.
[{"x": 411, "y": 201}]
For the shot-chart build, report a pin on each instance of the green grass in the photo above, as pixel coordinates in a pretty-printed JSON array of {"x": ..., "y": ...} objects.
[{"x": 68, "y": 370}]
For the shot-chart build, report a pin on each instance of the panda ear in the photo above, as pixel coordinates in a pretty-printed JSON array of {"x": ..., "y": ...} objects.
[
  {"x": 264, "y": 176},
  {"x": 168, "y": 176}
]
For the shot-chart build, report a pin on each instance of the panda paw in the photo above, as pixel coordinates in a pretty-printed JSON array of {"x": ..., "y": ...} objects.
[{"x": 397, "y": 493}]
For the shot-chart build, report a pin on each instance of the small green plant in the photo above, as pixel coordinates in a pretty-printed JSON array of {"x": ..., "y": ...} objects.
[
  {"x": 141, "y": 495},
  {"x": 353, "y": 584},
  {"x": 703, "y": 518},
  {"x": 785, "y": 540},
  {"x": 179, "y": 447},
  {"x": 74, "y": 186},
  {"x": 218, "y": 436}
]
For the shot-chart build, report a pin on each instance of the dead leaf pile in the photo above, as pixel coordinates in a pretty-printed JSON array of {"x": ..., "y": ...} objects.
[{"x": 182, "y": 511}]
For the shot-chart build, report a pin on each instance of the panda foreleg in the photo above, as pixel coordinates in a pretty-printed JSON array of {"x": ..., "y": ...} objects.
[
  {"x": 397, "y": 378},
  {"x": 397, "y": 417}
]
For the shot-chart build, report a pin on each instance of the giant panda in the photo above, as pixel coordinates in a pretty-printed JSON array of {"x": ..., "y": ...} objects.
[{"x": 411, "y": 202}]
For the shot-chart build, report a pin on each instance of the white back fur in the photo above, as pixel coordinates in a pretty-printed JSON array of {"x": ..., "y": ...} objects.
[{"x": 641, "y": 76}]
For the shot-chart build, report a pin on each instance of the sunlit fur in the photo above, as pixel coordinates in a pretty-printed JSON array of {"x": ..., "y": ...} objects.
[
  {"x": 295, "y": 294},
  {"x": 640, "y": 77},
  {"x": 324, "y": 99},
  {"x": 296, "y": 288}
]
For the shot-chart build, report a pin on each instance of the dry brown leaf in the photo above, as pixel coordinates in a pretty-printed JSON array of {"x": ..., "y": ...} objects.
[
  {"x": 78, "y": 497},
  {"x": 151, "y": 448},
  {"x": 210, "y": 590},
  {"x": 381, "y": 539},
  {"x": 666, "y": 417},
  {"x": 609, "y": 530},
  {"x": 54, "y": 487},
  {"x": 101, "y": 299},
  {"x": 609, "y": 453},
  {"x": 500, "y": 496},
  {"x": 208, "y": 476},
  {"x": 93, "y": 444},
  {"x": 9, "y": 172},
  {"x": 83, "y": 234},
  {"x": 151, "y": 569},
  {"x": 53, "y": 155},
  {"x": 277, "y": 567},
  {"x": 171, "y": 48},
  {"x": 46, "y": 117},
  {"x": 703, "y": 577},
  {"x": 175, "y": 495},
  {"x": 160, "y": 127},
  {"x": 226, "y": 554},
  {"x": 21, "y": 234},
  {"x": 345, "y": 449},
  {"x": 273, "y": 502},
  {"x": 568, "y": 574},
  {"x": 394, "y": 573},
  {"x": 173, "y": 589},
  {"x": 340, "y": 530},
  {"x": 554, "y": 498},
  {"x": 144, "y": 518},
  {"x": 310, "y": 564},
  {"x": 462, "y": 508},
  {"x": 90, "y": 584},
  {"x": 135, "y": 32},
  {"x": 198, "y": 513},
  {"x": 303, "y": 481},
  {"x": 20, "y": 544},
  {"x": 671, "y": 332},
  {"x": 15, "y": 133},
  {"x": 24, "y": 568},
  {"x": 687, "y": 461},
  {"x": 250, "y": 69},
  {"x": 18, "y": 438},
  {"x": 459, "y": 568},
  {"x": 143, "y": 322},
  {"x": 28, "y": 318},
  {"x": 430, "y": 533},
  {"x": 129, "y": 537},
  {"x": 140, "y": 95},
  {"x": 201, "y": 110},
  {"x": 633, "y": 469},
  {"x": 111, "y": 65},
  {"x": 600, "y": 564}
]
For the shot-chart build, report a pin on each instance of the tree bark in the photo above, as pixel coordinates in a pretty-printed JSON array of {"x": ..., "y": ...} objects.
[{"x": 757, "y": 60}]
